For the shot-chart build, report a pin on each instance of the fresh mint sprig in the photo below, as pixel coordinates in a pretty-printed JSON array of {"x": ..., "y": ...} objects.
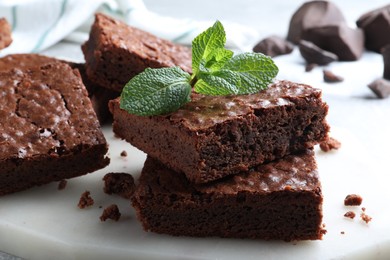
[{"x": 215, "y": 72}]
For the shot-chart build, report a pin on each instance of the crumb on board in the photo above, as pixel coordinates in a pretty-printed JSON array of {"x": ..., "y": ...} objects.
[
  {"x": 366, "y": 218},
  {"x": 119, "y": 183},
  {"x": 342, "y": 232},
  {"x": 62, "y": 184},
  {"x": 111, "y": 212},
  {"x": 123, "y": 153},
  {"x": 330, "y": 144},
  {"x": 350, "y": 214},
  {"x": 85, "y": 200},
  {"x": 353, "y": 200},
  {"x": 330, "y": 77}
]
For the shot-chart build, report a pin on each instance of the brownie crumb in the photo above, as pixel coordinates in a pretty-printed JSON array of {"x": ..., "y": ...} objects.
[
  {"x": 121, "y": 184},
  {"x": 330, "y": 77},
  {"x": 353, "y": 200},
  {"x": 350, "y": 214},
  {"x": 62, "y": 184},
  {"x": 342, "y": 232},
  {"x": 363, "y": 209},
  {"x": 111, "y": 212},
  {"x": 85, "y": 200},
  {"x": 366, "y": 218},
  {"x": 330, "y": 144},
  {"x": 123, "y": 153}
]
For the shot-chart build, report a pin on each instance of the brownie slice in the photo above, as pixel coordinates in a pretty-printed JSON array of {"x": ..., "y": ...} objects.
[
  {"x": 279, "y": 200},
  {"x": 48, "y": 130},
  {"x": 215, "y": 136},
  {"x": 5, "y": 33},
  {"x": 115, "y": 52},
  {"x": 99, "y": 96}
]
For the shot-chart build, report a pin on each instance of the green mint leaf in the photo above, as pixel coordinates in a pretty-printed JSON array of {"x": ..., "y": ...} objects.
[
  {"x": 205, "y": 43},
  {"x": 255, "y": 70},
  {"x": 217, "y": 59},
  {"x": 222, "y": 82},
  {"x": 156, "y": 91}
]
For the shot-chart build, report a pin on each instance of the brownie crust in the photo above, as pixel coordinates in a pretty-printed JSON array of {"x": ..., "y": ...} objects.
[
  {"x": 280, "y": 200},
  {"x": 212, "y": 137},
  {"x": 115, "y": 52},
  {"x": 49, "y": 131}
]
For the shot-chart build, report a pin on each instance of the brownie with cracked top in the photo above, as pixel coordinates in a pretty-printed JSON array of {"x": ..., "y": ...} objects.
[
  {"x": 115, "y": 52},
  {"x": 99, "y": 96},
  {"x": 279, "y": 200},
  {"x": 48, "y": 129},
  {"x": 215, "y": 136},
  {"x": 5, "y": 33}
]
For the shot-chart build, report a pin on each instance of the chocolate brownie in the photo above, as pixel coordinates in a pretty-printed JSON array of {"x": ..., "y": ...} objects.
[
  {"x": 115, "y": 52},
  {"x": 279, "y": 200},
  {"x": 99, "y": 96},
  {"x": 5, "y": 33},
  {"x": 48, "y": 129},
  {"x": 119, "y": 183},
  {"x": 215, "y": 136}
]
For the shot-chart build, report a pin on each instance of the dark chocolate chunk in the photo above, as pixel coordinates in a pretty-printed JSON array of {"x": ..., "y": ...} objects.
[
  {"x": 376, "y": 27},
  {"x": 313, "y": 14},
  {"x": 274, "y": 46},
  {"x": 386, "y": 61},
  {"x": 353, "y": 200},
  {"x": 330, "y": 77},
  {"x": 314, "y": 54},
  {"x": 309, "y": 67},
  {"x": 380, "y": 87},
  {"x": 345, "y": 42}
]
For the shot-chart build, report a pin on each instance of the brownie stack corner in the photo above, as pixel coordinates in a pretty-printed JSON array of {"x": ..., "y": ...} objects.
[{"x": 231, "y": 166}]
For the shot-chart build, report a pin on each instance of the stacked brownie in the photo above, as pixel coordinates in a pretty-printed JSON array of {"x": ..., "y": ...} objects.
[{"x": 231, "y": 166}]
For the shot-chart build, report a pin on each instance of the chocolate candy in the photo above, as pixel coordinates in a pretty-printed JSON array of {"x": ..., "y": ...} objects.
[
  {"x": 274, "y": 46},
  {"x": 345, "y": 42},
  {"x": 330, "y": 77},
  {"x": 376, "y": 27},
  {"x": 313, "y": 14},
  {"x": 380, "y": 87},
  {"x": 313, "y": 54},
  {"x": 386, "y": 61}
]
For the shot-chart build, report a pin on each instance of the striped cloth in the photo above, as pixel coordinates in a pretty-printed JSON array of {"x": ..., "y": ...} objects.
[{"x": 39, "y": 24}]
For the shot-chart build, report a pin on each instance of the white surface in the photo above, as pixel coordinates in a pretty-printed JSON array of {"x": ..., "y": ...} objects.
[{"x": 45, "y": 223}]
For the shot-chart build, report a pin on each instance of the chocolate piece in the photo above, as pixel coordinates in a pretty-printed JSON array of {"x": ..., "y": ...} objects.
[
  {"x": 315, "y": 55},
  {"x": 111, "y": 212},
  {"x": 49, "y": 131},
  {"x": 274, "y": 46},
  {"x": 5, "y": 33},
  {"x": 123, "y": 153},
  {"x": 215, "y": 136},
  {"x": 62, "y": 184},
  {"x": 330, "y": 77},
  {"x": 380, "y": 87},
  {"x": 85, "y": 200},
  {"x": 386, "y": 61},
  {"x": 330, "y": 144},
  {"x": 345, "y": 42},
  {"x": 350, "y": 214},
  {"x": 119, "y": 183},
  {"x": 313, "y": 14},
  {"x": 376, "y": 27},
  {"x": 353, "y": 200},
  {"x": 99, "y": 96},
  {"x": 309, "y": 67},
  {"x": 115, "y": 52},
  {"x": 279, "y": 200}
]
